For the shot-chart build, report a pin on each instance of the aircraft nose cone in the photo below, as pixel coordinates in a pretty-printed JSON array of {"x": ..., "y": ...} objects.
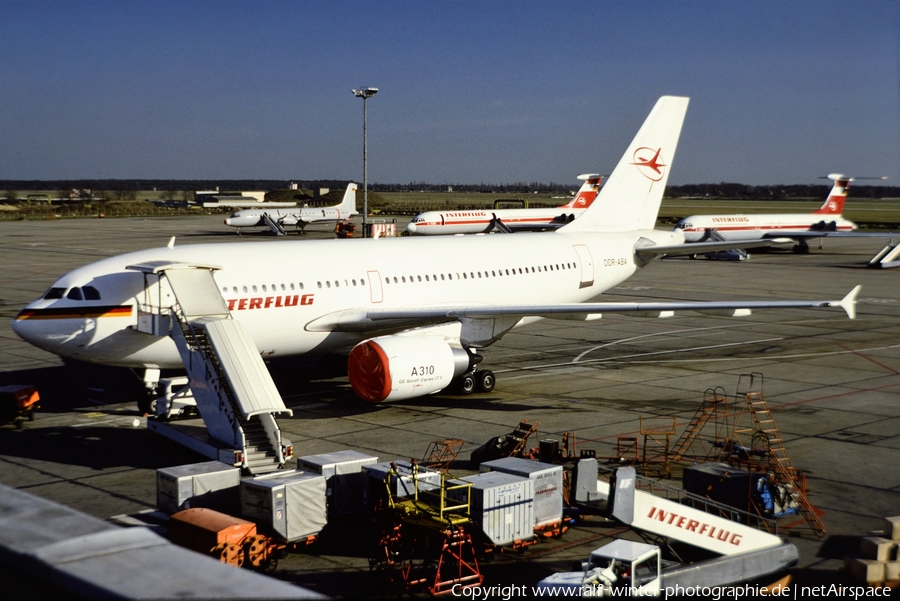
[
  {"x": 411, "y": 228},
  {"x": 23, "y": 328}
]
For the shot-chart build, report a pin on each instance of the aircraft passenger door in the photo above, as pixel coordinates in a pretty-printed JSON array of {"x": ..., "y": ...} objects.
[
  {"x": 375, "y": 286},
  {"x": 586, "y": 262}
]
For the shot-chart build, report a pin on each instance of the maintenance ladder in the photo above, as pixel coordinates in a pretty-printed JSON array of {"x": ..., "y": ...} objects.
[
  {"x": 715, "y": 408},
  {"x": 762, "y": 429}
]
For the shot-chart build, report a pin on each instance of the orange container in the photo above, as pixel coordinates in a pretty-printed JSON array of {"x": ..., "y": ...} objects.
[
  {"x": 18, "y": 401},
  {"x": 201, "y": 529}
]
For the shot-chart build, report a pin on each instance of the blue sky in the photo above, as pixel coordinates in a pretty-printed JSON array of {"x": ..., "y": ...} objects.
[{"x": 489, "y": 91}]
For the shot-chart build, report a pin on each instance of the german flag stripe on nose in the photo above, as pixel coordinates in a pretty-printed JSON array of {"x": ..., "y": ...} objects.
[{"x": 88, "y": 312}]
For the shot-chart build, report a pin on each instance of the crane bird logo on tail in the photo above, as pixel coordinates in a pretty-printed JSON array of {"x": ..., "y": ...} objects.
[{"x": 649, "y": 166}]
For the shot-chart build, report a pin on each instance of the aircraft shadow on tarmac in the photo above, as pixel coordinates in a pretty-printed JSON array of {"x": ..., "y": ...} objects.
[{"x": 95, "y": 447}]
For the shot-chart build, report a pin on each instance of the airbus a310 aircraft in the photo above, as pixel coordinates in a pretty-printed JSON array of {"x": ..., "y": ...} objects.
[
  {"x": 301, "y": 217},
  {"x": 414, "y": 311},
  {"x": 826, "y": 221},
  {"x": 480, "y": 221}
]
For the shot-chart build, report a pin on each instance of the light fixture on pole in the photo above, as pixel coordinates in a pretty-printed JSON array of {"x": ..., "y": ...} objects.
[{"x": 365, "y": 94}]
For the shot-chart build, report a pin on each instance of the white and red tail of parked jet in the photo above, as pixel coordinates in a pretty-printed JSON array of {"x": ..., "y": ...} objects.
[{"x": 479, "y": 221}]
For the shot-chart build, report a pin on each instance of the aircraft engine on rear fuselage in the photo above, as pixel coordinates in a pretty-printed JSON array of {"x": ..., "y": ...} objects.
[{"x": 390, "y": 368}]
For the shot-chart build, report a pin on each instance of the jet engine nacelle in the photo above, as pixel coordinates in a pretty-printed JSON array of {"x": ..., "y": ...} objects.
[{"x": 390, "y": 368}]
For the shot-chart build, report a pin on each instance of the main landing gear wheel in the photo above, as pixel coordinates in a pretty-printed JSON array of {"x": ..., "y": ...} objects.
[
  {"x": 479, "y": 381},
  {"x": 485, "y": 380},
  {"x": 467, "y": 384}
]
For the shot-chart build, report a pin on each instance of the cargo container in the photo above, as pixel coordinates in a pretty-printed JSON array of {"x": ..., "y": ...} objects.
[
  {"x": 548, "y": 485},
  {"x": 347, "y": 484},
  {"x": 289, "y": 505},
  {"x": 211, "y": 484},
  {"x": 502, "y": 506},
  {"x": 211, "y": 532},
  {"x": 17, "y": 403}
]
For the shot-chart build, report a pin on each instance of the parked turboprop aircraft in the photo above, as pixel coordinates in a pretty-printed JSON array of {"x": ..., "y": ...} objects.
[
  {"x": 277, "y": 219},
  {"x": 506, "y": 220},
  {"x": 414, "y": 311},
  {"x": 826, "y": 221}
]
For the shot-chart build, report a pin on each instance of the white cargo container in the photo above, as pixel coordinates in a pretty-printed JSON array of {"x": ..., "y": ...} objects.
[
  {"x": 347, "y": 484},
  {"x": 402, "y": 485},
  {"x": 503, "y": 506},
  {"x": 290, "y": 505},
  {"x": 548, "y": 485},
  {"x": 211, "y": 484}
]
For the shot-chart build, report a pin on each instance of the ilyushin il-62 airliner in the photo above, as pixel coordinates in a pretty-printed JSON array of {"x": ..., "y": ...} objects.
[
  {"x": 827, "y": 220},
  {"x": 413, "y": 312},
  {"x": 477, "y": 221}
]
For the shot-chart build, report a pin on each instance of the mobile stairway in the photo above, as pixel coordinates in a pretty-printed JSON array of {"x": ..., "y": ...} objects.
[
  {"x": 276, "y": 226},
  {"x": 232, "y": 387},
  {"x": 887, "y": 257},
  {"x": 746, "y": 545},
  {"x": 734, "y": 254}
]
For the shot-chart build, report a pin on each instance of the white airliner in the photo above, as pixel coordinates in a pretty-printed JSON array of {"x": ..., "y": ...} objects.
[
  {"x": 826, "y": 221},
  {"x": 506, "y": 220},
  {"x": 414, "y": 311},
  {"x": 301, "y": 217}
]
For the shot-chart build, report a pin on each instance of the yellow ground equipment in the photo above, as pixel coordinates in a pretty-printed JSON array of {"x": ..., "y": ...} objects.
[{"x": 424, "y": 540}]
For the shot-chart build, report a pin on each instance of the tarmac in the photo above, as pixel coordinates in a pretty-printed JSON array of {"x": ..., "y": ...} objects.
[{"x": 833, "y": 385}]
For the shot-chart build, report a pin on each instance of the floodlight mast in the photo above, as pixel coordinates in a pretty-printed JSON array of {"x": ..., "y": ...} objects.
[{"x": 365, "y": 94}]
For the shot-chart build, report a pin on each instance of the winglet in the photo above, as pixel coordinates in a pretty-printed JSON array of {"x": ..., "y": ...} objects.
[{"x": 848, "y": 303}]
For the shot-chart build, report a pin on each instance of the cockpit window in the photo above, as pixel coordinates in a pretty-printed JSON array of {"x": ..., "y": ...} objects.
[
  {"x": 55, "y": 293},
  {"x": 233, "y": 215},
  {"x": 75, "y": 294},
  {"x": 91, "y": 293}
]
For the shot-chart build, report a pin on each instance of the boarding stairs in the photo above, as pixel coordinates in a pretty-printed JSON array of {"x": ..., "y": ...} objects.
[
  {"x": 273, "y": 225},
  {"x": 660, "y": 510},
  {"x": 734, "y": 254},
  {"x": 762, "y": 430},
  {"x": 231, "y": 385},
  {"x": 497, "y": 225},
  {"x": 888, "y": 257}
]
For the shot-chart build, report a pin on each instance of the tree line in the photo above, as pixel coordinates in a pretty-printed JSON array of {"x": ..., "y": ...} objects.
[{"x": 125, "y": 189}]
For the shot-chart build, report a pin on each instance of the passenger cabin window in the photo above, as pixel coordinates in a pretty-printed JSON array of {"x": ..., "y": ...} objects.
[{"x": 55, "y": 293}]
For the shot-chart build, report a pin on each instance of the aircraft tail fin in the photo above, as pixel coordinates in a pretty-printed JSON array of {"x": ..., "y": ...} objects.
[
  {"x": 348, "y": 204},
  {"x": 834, "y": 204},
  {"x": 630, "y": 198},
  {"x": 586, "y": 194}
]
